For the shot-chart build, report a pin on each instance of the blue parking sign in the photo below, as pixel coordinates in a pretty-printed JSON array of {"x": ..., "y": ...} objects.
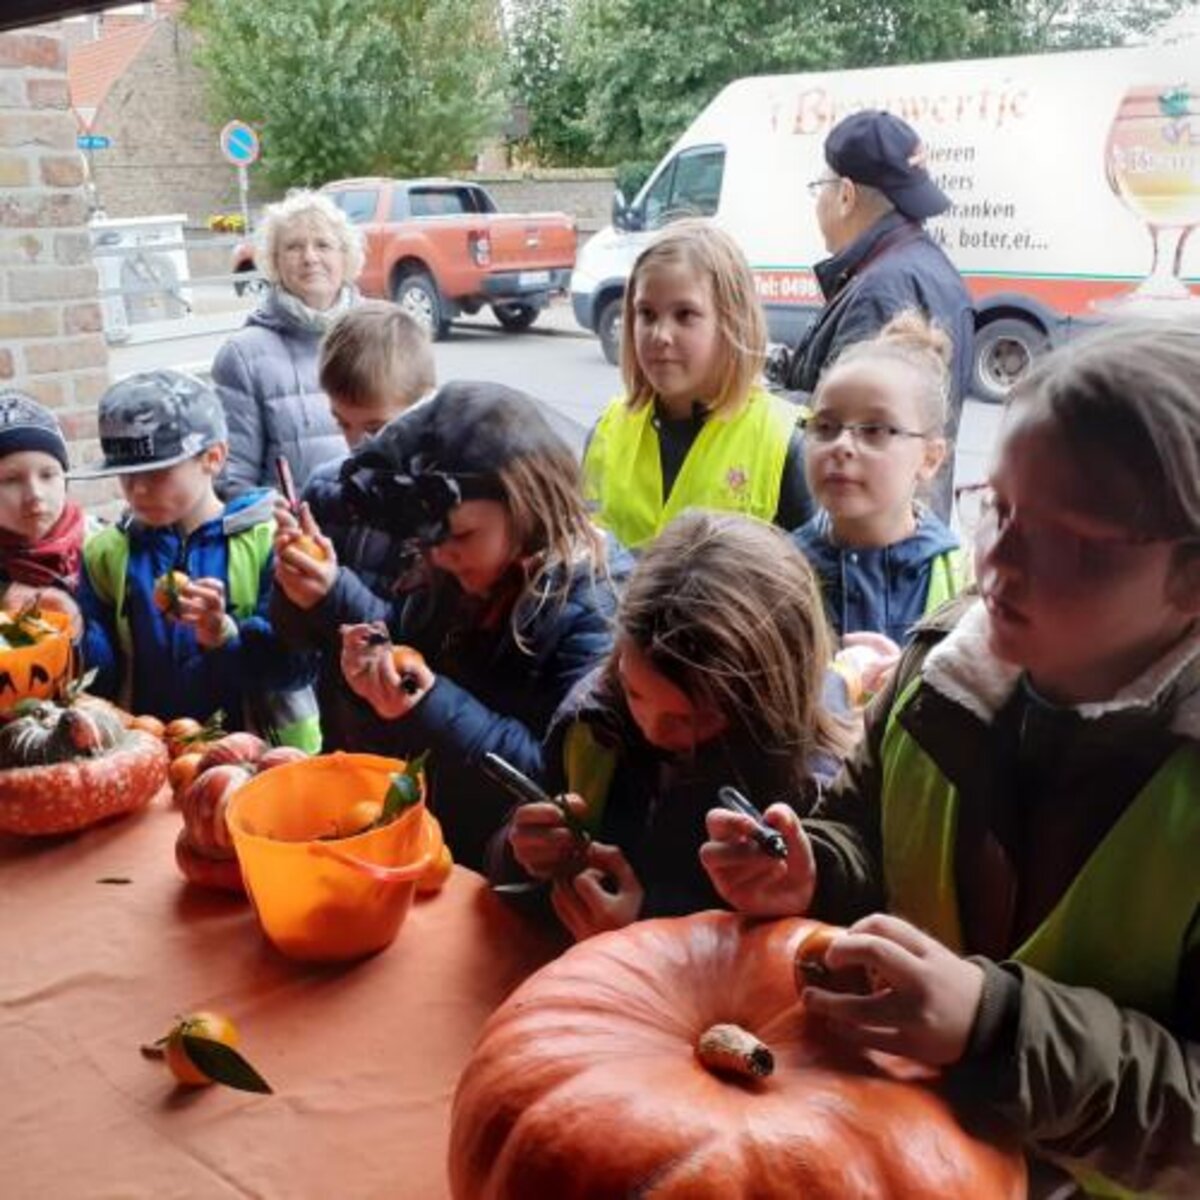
[{"x": 239, "y": 144}]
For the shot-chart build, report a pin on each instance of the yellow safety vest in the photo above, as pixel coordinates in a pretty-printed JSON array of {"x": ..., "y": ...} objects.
[
  {"x": 735, "y": 464},
  {"x": 1126, "y": 941}
]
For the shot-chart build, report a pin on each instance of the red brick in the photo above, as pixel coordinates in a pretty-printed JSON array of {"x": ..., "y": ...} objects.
[
  {"x": 43, "y": 210},
  {"x": 49, "y": 392},
  {"x": 6, "y": 364},
  {"x": 64, "y": 170},
  {"x": 48, "y": 93},
  {"x": 55, "y": 130},
  {"x": 79, "y": 424},
  {"x": 52, "y": 283},
  {"x": 83, "y": 318},
  {"x": 14, "y": 170},
  {"x": 45, "y": 358},
  {"x": 72, "y": 249},
  {"x": 20, "y": 249},
  {"x": 32, "y": 50},
  {"x": 89, "y": 386},
  {"x": 28, "y": 322}
]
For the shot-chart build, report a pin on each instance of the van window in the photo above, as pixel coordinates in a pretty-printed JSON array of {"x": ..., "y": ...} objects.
[
  {"x": 690, "y": 186},
  {"x": 357, "y": 203}
]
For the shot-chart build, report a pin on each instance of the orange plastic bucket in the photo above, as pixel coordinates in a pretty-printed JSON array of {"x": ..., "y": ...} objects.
[{"x": 323, "y": 900}]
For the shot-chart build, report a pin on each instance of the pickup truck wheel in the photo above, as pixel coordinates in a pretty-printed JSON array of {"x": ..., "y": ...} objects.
[
  {"x": 608, "y": 329},
  {"x": 1004, "y": 351},
  {"x": 515, "y": 317},
  {"x": 418, "y": 296}
]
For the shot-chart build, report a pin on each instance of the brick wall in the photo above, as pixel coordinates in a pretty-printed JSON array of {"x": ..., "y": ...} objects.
[
  {"x": 164, "y": 156},
  {"x": 585, "y": 193},
  {"x": 51, "y": 344}
]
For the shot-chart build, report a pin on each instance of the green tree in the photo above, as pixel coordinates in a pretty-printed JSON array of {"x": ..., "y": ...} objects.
[
  {"x": 546, "y": 86},
  {"x": 355, "y": 87}
]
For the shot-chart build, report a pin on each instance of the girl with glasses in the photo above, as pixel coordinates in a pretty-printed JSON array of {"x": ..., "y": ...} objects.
[
  {"x": 873, "y": 441},
  {"x": 1028, "y": 792}
]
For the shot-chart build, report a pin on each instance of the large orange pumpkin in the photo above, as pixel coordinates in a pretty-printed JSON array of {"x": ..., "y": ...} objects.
[{"x": 587, "y": 1085}]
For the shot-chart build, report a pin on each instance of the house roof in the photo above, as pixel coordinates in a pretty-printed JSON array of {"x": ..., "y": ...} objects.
[{"x": 93, "y": 67}]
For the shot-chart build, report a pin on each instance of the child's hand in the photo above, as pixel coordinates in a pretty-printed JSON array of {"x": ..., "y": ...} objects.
[
  {"x": 748, "y": 878},
  {"x": 369, "y": 663},
  {"x": 877, "y": 656},
  {"x": 305, "y": 561},
  {"x": 202, "y": 606},
  {"x": 541, "y": 841},
  {"x": 53, "y": 599},
  {"x": 585, "y": 906},
  {"x": 925, "y": 999}
]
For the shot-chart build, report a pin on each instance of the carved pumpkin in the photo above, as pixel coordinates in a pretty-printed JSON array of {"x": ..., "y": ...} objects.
[
  {"x": 588, "y": 1083},
  {"x": 34, "y": 671}
]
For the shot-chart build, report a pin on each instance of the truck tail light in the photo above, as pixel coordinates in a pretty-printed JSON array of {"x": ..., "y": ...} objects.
[{"x": 480, "y": 244}]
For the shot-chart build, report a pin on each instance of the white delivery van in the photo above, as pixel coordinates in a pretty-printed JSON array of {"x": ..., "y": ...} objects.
[{"x": 1075, "y": 179}]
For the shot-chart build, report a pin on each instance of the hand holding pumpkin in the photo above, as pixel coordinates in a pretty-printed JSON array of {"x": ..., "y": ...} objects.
[
  {"x": 605, "y": 895},
  {"x": 925, "y": 998},
  {"x": 750, "y": 880},
  {"x": 305, "y": 561},
  {"x": 393, "y": 680},
  {"x": 541, "y": 841}
]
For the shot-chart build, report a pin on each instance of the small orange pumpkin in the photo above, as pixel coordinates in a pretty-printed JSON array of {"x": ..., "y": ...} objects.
[
  {"x": 600, "y": 1077},
  {"x": 37, "y": 672}
]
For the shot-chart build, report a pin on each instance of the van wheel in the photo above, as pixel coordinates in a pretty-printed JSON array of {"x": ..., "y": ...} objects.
[
  {"x": 1004, "y": 351},
  {"x": 608, "y": 329},
  {"x": 515, "y": 317},
  {"x": 418, "y": 295}
]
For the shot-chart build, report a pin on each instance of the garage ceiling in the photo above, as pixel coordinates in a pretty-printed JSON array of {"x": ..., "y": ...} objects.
[{"x": 15, "y": 13}]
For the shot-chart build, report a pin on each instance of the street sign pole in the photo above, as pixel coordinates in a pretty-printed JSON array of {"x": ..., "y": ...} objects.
[{"x": 244, "y": 193}]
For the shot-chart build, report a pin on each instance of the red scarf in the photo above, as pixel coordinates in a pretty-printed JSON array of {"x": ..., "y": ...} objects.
[{"x": 52, "y": 562}]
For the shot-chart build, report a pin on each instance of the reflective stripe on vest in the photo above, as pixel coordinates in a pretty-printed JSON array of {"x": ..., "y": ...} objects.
[
  {"x": 735, "y": 465},
  {"x": 945, "y": 580},
  {"x": 1110, "y": 930}
]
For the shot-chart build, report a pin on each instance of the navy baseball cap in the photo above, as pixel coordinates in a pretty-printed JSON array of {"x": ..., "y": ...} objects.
[
  {"x": 880, "y": 150},
  {"x": 155, "y": 419}
]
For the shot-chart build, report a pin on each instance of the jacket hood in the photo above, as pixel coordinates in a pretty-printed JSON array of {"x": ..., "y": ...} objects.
[
  {"x": 931, "y": 538},
  {"x": 242, "y": 512},
  {"x": 963, "y": 669}
]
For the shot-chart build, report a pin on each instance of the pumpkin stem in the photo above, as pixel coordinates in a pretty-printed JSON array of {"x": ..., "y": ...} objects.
[{"x": 734, "y": 1050}]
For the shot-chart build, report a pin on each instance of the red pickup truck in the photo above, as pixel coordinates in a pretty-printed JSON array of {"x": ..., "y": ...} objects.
[{"x": 438, "y": 247}]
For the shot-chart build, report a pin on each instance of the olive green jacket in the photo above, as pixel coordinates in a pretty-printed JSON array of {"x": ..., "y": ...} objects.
[{"x": 1091, "y": 1086}]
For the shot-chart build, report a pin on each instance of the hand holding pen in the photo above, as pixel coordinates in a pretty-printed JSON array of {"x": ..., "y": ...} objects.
[
  {"x": 391, "y": 679},
  {"x": 749, "y": 875},
  {"x": 771, "y": 840}
]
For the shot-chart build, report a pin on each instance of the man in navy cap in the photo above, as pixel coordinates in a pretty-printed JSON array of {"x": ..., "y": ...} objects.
[{"x": 871, "y": 202}]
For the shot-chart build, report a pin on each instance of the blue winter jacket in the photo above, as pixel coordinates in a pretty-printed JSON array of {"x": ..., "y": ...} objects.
[
  {"x": 491, "y": 694},
  {"x": 883, "y": 589},
  {"x": 656, "y": 802},
  {"x": 369, "y": 563},
  {"x": 171, "y": 675}
]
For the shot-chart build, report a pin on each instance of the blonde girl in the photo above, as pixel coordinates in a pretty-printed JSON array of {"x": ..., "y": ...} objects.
[
  {"x": 510, "y": 605},
  {"x": 872, "y": 444},
  {"x": 694, "y": 428},
  {"x": 717, "y": 677}
]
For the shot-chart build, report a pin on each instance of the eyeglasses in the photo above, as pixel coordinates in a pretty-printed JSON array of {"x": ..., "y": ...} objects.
[
  {"x": 870, "y": 435},
  {"x": 1049, "y": 549},
  {"x": 815, "y": 185}
]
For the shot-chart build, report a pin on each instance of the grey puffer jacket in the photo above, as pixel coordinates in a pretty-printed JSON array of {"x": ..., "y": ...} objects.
[{"x": 266, "y": 375}]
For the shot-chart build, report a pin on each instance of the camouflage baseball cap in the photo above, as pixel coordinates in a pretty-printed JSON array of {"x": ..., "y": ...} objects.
[{"x": 155, "y": 419}]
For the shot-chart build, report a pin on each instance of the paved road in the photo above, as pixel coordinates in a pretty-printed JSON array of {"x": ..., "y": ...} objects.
[{"x": 555, "y": 361}]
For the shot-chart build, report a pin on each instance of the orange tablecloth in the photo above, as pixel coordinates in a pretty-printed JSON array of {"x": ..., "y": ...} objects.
[{"x": 363, "y": 1058}]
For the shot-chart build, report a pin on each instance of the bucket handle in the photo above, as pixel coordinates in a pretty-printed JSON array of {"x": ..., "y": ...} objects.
[{"x": 408, "y": 873}]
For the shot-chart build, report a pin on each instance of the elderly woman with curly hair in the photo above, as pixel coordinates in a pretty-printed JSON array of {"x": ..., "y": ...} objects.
[{"x": 266, "y": 373}]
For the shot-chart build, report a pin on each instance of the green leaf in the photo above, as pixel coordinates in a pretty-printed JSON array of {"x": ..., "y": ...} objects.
[
  {"x": 404, "y": 790},
  {"x": 223, "y": 1064}
]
